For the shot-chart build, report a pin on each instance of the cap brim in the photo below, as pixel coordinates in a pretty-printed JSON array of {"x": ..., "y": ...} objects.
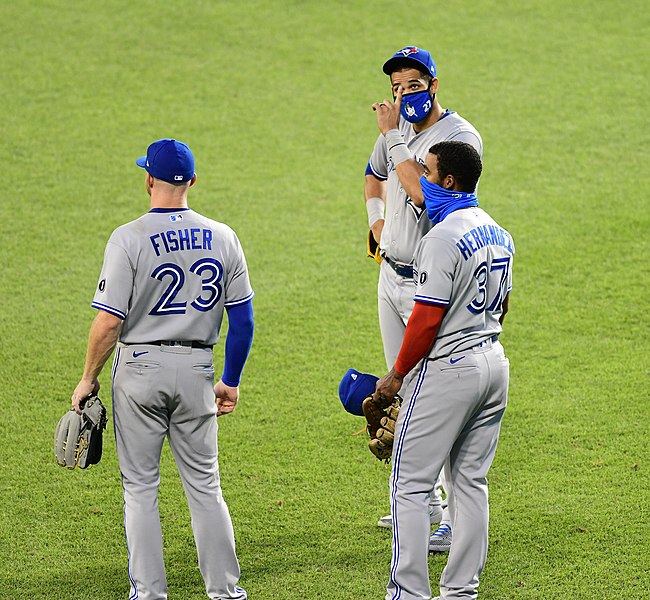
[
  {"x": 399, "y": 62},
  {"x": 142, "y": 162}
]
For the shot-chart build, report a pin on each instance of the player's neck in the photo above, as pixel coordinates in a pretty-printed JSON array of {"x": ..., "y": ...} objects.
[
  {"x": 432, "y": 118},
  {"x": 161, "y": 200}
]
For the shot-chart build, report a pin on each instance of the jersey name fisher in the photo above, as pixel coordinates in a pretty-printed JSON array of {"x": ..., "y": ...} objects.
[
  {"x": 169, "y": 273},
  {"x": 181, "y": 239}
]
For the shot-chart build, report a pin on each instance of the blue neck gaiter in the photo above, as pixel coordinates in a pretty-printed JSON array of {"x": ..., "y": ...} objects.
[{"x": 441, "y": 202}]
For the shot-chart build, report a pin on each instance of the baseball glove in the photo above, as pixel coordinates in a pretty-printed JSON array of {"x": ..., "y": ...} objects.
[
  {"x": 372, "y": 248},
  {"x": 381, "y": 416},
  {"x": 78, "y": 438}
]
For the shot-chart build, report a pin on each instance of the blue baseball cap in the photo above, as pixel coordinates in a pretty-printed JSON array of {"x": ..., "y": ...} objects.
[
  {"x": 410, "y": 56},
  {"x": 169, "y": 160},
  {"x": 354, "y": 388}
]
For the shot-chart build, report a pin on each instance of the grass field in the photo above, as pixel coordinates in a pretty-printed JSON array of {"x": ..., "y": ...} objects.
[{"x": 274, "y": 99}]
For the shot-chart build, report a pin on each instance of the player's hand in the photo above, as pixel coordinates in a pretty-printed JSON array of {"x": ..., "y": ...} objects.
[
  {"x": 388, "y": 113},
  {"x": 388, "y": 386},
  {"x": 227, "y": 397},
  {"x": 84, "y": 388}
]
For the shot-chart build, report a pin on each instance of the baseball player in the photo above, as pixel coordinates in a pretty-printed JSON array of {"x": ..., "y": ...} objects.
[
  {"x": 165, "y": 282},
  {"x": 394, "y": 201},
  {"x": 452, "y": 415}
]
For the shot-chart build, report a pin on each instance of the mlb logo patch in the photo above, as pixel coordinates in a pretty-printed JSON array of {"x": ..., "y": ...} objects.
[{"x": 174, "y": 218}]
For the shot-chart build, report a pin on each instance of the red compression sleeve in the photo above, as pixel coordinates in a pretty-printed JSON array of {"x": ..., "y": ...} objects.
[{"x": 421, "y": 331}]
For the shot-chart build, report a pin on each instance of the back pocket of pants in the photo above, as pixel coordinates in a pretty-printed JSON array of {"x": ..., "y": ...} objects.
[{"x": 142, "y": 367}]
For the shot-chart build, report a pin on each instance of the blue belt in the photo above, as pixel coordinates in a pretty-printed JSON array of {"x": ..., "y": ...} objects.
[
  {"x": 493, "y": 339},
  {"x": 400, "y": 268}
]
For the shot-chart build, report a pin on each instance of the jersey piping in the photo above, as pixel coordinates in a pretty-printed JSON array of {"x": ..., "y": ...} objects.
[{"x": 109, "y": 309}]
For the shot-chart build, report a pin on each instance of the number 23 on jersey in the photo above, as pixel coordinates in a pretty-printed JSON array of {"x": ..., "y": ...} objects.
[{"x": 210, "y": 270}]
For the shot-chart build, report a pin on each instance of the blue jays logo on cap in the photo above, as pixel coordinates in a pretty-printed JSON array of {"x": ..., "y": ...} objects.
[
  {"x": 411, "y": 56},
  {"x": 408, "y": 50},
  {"x": 354, "y": 388},
  {"x": 169, "y": 160}
]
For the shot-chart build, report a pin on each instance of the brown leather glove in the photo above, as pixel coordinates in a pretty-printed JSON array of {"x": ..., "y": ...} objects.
[{"x": 381, "y": 417}]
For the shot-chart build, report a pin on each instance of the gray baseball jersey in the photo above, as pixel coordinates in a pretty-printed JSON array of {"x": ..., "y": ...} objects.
[
  {"x": 169, "y": 274},
  {"x": 452, "y": 414},
  {"x": 464, "y": 263},
  {"x": 405, "y": 222}
]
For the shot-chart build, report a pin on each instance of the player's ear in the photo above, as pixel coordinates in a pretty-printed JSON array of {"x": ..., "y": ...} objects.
[
  {"x": 449, "y": 182},
  {"x": 193, "y": 180},
  {"x": 433, "y": 85}
]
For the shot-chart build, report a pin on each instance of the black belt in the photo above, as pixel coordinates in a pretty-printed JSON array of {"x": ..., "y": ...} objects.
[
  {"x": 400, "y": 268},
  {"x": 177, "y": 343}
]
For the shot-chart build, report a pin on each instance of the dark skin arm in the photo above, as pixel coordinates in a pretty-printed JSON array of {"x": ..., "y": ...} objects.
[
  {"x": 389, "y": 385},
  {"x": 504, "y": 308}
]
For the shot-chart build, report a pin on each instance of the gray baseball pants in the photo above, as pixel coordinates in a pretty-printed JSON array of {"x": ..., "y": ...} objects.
[
  {"x": 452, "y": 418},
  {"x": 395, "y": 305},
  {"x": 161, "y": 392}
]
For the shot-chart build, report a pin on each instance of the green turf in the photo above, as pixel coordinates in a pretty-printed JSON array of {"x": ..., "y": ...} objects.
[{"x": 274, "y": 98}]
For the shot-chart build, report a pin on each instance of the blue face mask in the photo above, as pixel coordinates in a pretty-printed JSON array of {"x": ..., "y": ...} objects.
[
  {"x": 415, "y": 107},
  {"x": 441, "y": 202}
]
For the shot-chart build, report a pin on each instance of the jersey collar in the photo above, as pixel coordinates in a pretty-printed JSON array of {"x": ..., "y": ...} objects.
[{"x": 168, "y": 210}]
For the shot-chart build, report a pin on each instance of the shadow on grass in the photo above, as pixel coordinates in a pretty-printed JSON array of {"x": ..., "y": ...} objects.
[
  {"x": 100, "y": 582},
  {"x": 329, "y": 560},
  {"x": 69, "y": 582}
]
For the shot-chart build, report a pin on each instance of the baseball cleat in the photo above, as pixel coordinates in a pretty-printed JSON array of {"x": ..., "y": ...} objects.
[
  {"x": 386, "y": 522},
  {"x": 440, "y": 540},
  {"x": 435, "y": 514}
]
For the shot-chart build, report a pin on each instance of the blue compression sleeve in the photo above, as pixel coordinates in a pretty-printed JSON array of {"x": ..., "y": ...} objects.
[{"x": 238, "y": 341}]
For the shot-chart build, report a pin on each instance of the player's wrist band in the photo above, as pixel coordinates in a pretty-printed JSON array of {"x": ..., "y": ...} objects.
[
  {"x": 375, "y": 207},
  {"x": 398, "y": 151}
]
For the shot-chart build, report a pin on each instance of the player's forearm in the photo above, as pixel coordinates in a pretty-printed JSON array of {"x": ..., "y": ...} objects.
[
  {"x": 408, "y": 169},
  {"x": 375, "y": 192},
  {"x": 409, "y": 173},
  {"x": 101, "y": 342},
  {"x": 374, "y": 188},
  {"x": 241, "y": 327},
  {"x": 504, "y": 308},
  {"x": 421, "y": 331}
]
